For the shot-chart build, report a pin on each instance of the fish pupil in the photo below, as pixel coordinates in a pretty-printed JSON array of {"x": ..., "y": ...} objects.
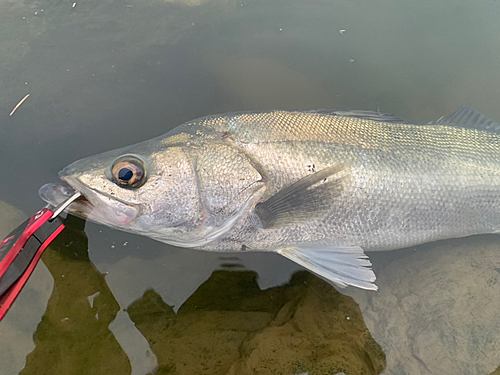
[{"x": 125, "y": 174}]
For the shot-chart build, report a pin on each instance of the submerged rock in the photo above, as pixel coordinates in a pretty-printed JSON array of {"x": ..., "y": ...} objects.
[
  {"x": 10, "y": 218},
  {"x": 436, "y": 310},
  {"x": 230, "y": 326}
]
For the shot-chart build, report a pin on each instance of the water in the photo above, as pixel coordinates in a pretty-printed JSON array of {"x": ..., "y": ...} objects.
[{"x": 104, "y": 74}]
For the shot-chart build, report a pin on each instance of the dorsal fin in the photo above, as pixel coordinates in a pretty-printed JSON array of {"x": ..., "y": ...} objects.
[
  {"x": 468, "y": 117},
  {"x": 365, "y": 115}
]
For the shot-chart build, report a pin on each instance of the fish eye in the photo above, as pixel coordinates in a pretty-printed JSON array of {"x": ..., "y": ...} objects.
[{"x": 128, "y": 171}]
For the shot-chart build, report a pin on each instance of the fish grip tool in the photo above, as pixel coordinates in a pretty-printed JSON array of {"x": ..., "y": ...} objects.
[{"x": 21, "y": 250}]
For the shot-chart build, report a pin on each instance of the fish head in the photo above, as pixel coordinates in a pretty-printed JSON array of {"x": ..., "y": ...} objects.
[{"x": 185, "y": 194}]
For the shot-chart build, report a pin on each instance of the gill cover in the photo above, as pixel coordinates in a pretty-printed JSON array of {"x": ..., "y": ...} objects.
[{"x": 228, "y": 186}]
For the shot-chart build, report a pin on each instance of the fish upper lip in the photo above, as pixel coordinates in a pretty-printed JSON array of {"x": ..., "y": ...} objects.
[
  {"x": 90, "y": 207},
  {"x": 83, "y": 189},
  {"x": 75, "y": 184}
]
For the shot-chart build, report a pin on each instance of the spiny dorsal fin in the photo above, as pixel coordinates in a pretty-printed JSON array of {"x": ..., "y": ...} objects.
[
  {"x": 308, "y": 198},
  {"x": 365, "y": 115},
  {"x": 468, "y": 117}
]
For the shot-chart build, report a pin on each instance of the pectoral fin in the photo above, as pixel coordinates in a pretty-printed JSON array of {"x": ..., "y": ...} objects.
[
  {"x": 341, "y": 265},
  {"x": 305, "y": 200}
]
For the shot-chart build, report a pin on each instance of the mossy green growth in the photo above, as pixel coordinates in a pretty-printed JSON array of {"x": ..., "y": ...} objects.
[{"x": 229, "y": 326}]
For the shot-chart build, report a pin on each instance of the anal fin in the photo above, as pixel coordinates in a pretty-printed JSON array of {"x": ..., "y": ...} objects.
[{"x": 341, "y": 265}]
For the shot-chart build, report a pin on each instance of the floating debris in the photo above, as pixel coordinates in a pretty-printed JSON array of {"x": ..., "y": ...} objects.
[
  {"x": 341, "y": 31},
  {"x": 19, "y": 104}
]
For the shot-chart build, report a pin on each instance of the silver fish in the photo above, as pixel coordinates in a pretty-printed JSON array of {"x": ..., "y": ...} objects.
[{"x": 319, "y": 187}]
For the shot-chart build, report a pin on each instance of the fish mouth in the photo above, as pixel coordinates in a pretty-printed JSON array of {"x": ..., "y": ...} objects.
[{"x": 91, "y": 205}]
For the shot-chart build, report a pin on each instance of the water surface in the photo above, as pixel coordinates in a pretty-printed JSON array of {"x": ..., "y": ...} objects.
[{"x": 105, "y": 74}]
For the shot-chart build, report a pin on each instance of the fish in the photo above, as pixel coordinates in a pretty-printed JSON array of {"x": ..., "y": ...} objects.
[{"x": 320, "y": 187}]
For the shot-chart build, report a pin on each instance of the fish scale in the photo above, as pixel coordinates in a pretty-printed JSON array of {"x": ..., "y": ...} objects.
[
  {"x": 459, "y": 170},
  {"x": 319, "y": 187}
]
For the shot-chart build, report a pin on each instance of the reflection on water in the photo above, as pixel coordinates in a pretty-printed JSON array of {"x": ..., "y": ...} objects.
[
  {"x": 227, "y": 326},
  {"x": 435, "y": 310},
  {"x": 16, "y": 329},
  {"x": 73, "y": 336}
]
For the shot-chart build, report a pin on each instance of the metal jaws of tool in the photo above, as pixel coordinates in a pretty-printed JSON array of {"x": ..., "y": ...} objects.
[
  {"x": 64, "y": 205},
  {"x": 21, "y": 250}
]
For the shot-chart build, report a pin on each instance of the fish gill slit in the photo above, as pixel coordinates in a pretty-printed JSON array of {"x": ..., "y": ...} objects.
[
  {"x": 203, "y": 208},
  {"x": 257, "y": 165}
]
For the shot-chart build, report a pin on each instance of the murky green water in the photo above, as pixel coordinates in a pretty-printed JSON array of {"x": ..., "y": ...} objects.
[{"x": 104, "y": 74}]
